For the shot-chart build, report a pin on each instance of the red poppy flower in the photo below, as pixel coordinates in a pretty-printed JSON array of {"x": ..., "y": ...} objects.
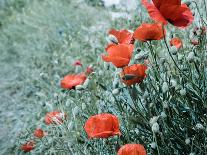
[
  {"x": 147, "y": 32},
  {"x": 119, "y": 55},
  {"x": 102, "y": 126},
  {"x": 77, "y": 63},
  {"x": 123, "y": 36},
  {"x": 177, "y": 42},
  {"x": 54, "y": 117},
  {"x": 171, "y": 11},
  {"x": 132, "y": 149},
  {"x": 133, "y": 74},
  {"x": 39, "y": 133},
  {"x": 72, "y": 80},
  {"x": 27, "y": 147}
]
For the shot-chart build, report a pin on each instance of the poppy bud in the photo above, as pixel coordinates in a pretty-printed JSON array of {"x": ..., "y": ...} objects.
[
  {"x": 155, "y": 127},
  {"x": 83, "y": 106},
  {"x": 187, "y": 141},
  {"x": 153, "y": 145},
  {"x": 153, "y": 120},
  {"x": 165, "y": 87},
  {"x": 183, "y": 92},
  {"x": 191, "y": 57},
  {"x": 115, "y": 91},
  {"x": 174, "y": 50},
  {"x": 76, "y": 111},
  {"x": 199, "y": 126},
  {"x": 163, "y": 114},
  {"x": 173, "y": 83}
]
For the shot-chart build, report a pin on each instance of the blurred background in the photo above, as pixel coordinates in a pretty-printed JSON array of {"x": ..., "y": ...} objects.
[{"x": 39, "y": 40}]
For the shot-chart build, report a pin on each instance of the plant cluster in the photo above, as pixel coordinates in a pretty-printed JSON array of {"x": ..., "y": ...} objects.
[{"x": 151, "y": 100}]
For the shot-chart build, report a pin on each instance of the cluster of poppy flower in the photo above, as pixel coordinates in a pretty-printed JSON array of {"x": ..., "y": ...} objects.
[
  {"x": 119, "y": 53},
  {"x": 54, "y": 117}
]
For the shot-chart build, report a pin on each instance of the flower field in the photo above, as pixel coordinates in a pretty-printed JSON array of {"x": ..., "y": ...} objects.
[{"x": 102, "y": 77}]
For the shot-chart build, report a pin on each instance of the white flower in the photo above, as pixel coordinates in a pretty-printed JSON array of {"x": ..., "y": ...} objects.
[
  {"x": 71, "y": 126},
  {"x": 165, "y": 87},
  {"x": 115, "y": 91},
  {"x": 183, "y": 92},
  {"x": 192, "y": 153},
  {"x": 155, "y": 127},
  {"x": 153, "y": 120},
  {"x": 109, "y": 3},
  {"x": 153, "y": 145},
  {"x": 187, "y": 141}
]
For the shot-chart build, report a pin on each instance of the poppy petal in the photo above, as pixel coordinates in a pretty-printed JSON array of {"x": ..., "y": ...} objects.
[
  {"x": 185, "y": 19},
  {"x": 154, "y": 12}
]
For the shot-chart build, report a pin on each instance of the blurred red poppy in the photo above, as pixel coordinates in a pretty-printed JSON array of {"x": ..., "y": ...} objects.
[
  {"x": 77, "y": 63},
  {"x": 119, "y": 55},
  {"x": 177, "y": 42},
  {"x": 39, "y": 133},
  {"x": 54, "y": 117},
  {"x": 102, "y": 126},
  {"x": 171, "y": 11},
  {"x": 194, "y": 42},
  {"x": 134, "y": 74},
  {"x": 27, "y": 147},
  {"x": 89, "y": 70},
  {"x": 72, "y": 80},
  {"x": 123, "y": 36},
  {"x": 132, "y": 149},
  {"x": 147, "y": 32}
]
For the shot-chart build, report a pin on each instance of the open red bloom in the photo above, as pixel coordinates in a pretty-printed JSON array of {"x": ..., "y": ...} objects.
[
  {"x": 27, "y": 147},
  {"x": 132, "y": 149},
  {"x": 119, "y": 55},
  {"x": 133, "y": 74},
  {"x": 39, "y": 133},
  {"x": 123, "y": 36},
  {"x": 177, "y": 42},
  {"x": 171, "y": 11},
  {"x": 54, "y": 117},
  {"x": 102, "y": 126},
  {"x": 72, "y": 80},
  {"x": 147, "y": 32}
]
